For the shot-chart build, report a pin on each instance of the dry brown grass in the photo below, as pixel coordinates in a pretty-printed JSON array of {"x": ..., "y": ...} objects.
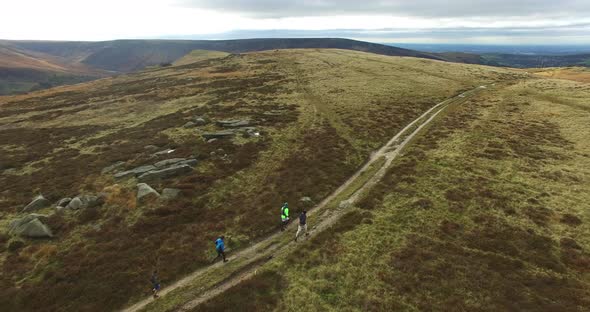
[
  {"x": 485, "y": 212},
  {"x": 333, "y": 107},
  {"x": 578, "y": 74}
]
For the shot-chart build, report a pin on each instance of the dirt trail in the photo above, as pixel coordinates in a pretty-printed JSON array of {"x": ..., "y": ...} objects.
[{"x": 265, "y": 249}]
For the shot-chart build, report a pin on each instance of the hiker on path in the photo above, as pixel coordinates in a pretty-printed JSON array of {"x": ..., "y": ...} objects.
[
  {"x": 155, "y": 284},
  {"x": 302, "y": 228},
  {"x": 284, "y": 216},
  {"x": 220, "y": 248}
]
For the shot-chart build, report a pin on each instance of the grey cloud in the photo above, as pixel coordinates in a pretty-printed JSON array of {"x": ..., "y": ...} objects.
[
  {"x": 540, "y": 35},
  {"x": 417, "y": 8}
]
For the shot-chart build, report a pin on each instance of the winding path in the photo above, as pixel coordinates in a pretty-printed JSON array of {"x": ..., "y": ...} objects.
[{"x": 253, "y": 257}]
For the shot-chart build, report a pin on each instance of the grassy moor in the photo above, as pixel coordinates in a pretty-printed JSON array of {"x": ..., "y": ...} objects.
[{"x": 485, "y": 210}]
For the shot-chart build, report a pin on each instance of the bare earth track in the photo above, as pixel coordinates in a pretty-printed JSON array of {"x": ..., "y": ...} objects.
[{"x": 329, "y": 211}]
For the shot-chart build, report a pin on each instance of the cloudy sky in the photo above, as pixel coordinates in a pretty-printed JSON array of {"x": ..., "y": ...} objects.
[{"x": 404, "y": 21}]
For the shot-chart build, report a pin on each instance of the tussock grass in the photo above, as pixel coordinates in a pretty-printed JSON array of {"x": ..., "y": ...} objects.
[
  {"x": 320, "y": 113},
  {"x": 485, "y": 212}
]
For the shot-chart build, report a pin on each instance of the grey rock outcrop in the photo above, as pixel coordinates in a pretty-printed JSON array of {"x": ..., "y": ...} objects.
[
  {"x": 170, "y": 193},
  {"x": 38, "y": 202},
  {"x": 168, "y": 162},
  {"x": 247, "y": 131},
  {"x": 218, "y": 135},
  {"x": 165, "y": 173},
  {"x": 164, "y": 152},
  {"x": 112, "y": 167},
  {"x": 189, "y": 162},
  {"x": 233, "y": 123},
  {"x": 134, "y": 172},
  {"x": 200, "y": 121},
  {"x": 86, "y": 201},
  {"x": 190, "y": 124},
  {"x": 64, "y": 202},
  {"x": 145, "y": 192},
  {"x": 92, "y": 201},
  {"x": 75, "y": 204},
  {"x": 31, "y": 226}
]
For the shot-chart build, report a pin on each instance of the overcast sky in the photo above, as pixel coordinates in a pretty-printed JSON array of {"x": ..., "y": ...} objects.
[{"x": 406, "y": 21}]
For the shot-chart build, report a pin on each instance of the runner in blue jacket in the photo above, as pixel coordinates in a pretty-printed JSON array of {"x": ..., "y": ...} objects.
[{"x": 220, "y": 248}]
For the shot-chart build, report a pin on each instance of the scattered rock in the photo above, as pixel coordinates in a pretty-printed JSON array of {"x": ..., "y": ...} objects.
[
  {"x": 86, "y": 201},
  {"x": 150, "y": 147},
  {"x": 170, "y": 193},
  {"x": 38, "y": 202},
  {"x": 218, "y": 135},
  {"x": 306, "y": 202},
  {"x": 92, "y": 201},
  {"x": 164, "y": 152},
  {"x": 112, "y": 167},
  {"x": 233, "y": 123},
  {"x": 165, "y": 173},
  {"x": 64, "y": 202},
  {"x": 31, "y": 226},
  {"x": 190, "y": 124},
  {"x": 144, "y": 192},
  {"x": 134, "y": 172},
  {"x": 189, "y": 162},
  {"x": 34, "y": 229},
  {"x": 75, "y": 204},
  {"x": 176, "y": 161},
  {"x": 247, "y": 131},
  {"x": 212, "y": 140},
  {"x": 200, "y": 121},
  {"x": 168, "y": 162}
]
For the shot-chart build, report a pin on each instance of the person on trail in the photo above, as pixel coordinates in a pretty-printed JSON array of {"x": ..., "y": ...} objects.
[
  {"x": 302, "y": 228},
  {"x": 220, "y": 248},
  {"x": 155, "y": 284},
  {"x": 284, "y": 216}
]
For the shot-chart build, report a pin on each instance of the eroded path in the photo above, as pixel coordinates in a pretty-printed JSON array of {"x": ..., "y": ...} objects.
[{"x": 210, "y": 281}]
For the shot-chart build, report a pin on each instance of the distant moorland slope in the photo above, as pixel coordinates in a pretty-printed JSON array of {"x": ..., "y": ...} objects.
[
  {"x": 132, "y": 55},
  {"x": 42, "y": 64},
  {"x": 23, "y": 70}
]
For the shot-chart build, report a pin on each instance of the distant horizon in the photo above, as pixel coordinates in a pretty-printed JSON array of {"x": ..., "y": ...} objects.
[
  {"x": 424, "y": 46},
  {"x": 199, "y": 37}
]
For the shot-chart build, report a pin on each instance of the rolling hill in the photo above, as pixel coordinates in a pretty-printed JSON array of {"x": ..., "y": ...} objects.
[
  {"x": 132, "y": 55},
  {"x": 483, "y": 209},
  {"x": 42, "y": 64},
  {"x": 25, "y": 70}
]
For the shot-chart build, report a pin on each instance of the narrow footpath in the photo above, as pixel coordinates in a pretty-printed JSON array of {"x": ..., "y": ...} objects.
[{"x": 210, "y": 281}]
